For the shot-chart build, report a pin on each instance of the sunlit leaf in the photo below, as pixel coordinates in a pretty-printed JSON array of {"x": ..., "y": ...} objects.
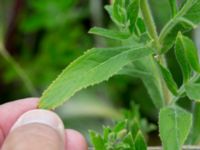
[{"x": 95, "y": 66}]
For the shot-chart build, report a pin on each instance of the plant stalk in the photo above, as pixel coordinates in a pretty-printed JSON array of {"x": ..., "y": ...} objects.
[
  {"x": 21, "y": 73},
  {"x": 149, "y": 21}
]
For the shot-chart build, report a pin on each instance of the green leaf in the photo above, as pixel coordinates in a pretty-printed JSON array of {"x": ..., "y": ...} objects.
[
  {"x": 132, "y": 13},
  {"x": 190, "y": 52},
  {"x": 193, "y": 91},
  {"x": 186, "y": 19},
  {"x": 182, "y": 58},
  {"x": 192, "y": 8},
  {"x": 194, "y": 137},
  {"x": 167, "y": 76},
  {"x": 95, "y": 66},
  {"x": 97, "y": 141},
  {"x": 173, "y": 6},
  {"x": 147, "y": 71},
  {"x": 140, "y": 143},
  {"x": 119, "y": 11},
  {"x": 168, "y": 40},
  {"x": 174, "y": 126},
  {"x": 109, "y": 33},
  {"x": 140, "y": 25},
  {"x": 129, "y": 141}
]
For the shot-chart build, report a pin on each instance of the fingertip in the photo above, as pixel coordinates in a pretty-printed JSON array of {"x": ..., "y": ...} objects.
[
  {"x": 75, "y": 140},
  {"x": 11, "y": 111}
]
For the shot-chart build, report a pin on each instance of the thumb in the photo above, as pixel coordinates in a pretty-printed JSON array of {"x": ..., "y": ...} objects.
[{"x": 36, "y": 130}]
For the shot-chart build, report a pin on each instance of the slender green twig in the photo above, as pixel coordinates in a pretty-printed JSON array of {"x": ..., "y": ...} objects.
[
  {"x": 149, "y": 21},
  {"x": 21, "y": 73}
]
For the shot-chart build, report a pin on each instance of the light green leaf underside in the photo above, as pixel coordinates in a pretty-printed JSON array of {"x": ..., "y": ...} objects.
[
  {"x": 193, "y": 91},
  {"x": 115, "y": 35},
  {"x": 174, "y": 126},
  {"x": 147, "y": 71},
  {"x": 95, "y": 66}
]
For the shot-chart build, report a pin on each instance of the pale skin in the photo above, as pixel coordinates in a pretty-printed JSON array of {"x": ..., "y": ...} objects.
[{"x": 35, "y": 136}]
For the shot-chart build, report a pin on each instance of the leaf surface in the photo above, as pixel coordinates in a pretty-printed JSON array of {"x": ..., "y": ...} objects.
[
  {"x": 193, "y": 91},
  {"x": 191, "y": 53},
  {"x": 174, "y": 126},
  {"x": 140, "y": 142},
  {"x": 173, "y": 6},
  {"x": 95, "y": 66},
  {"x": 132, "y": 13},
  {"x": 182, "y": 58},
  {"x": 109, "y": 33},
  {"x": 167, "y": 76},
  {"x": 146, "y": 70},
  {"x": 186, "y": 19},
  {"x": 194, "y": 137},
  {"x": 97, "y": 141}
]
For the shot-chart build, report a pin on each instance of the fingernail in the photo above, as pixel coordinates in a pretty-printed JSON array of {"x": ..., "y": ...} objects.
[{"x": 44, "y": 117}]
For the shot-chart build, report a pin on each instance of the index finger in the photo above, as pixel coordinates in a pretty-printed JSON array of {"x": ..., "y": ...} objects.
[{"x": 11, "y": 111}]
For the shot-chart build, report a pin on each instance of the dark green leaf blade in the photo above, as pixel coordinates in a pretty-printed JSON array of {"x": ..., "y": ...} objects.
[
  {"x": 192, "y": 8},
  {"x": 95, "y": 66},
  {"x": 119, "y": 12},
  {"x": 174, "y": 127},
  {"x": 97, "y": 141},
  {"x": 167, "y": 76},
  {"x": 109, "y": 33},
  {"x": 173, "y": 6},
  {"x": 132, "y": 13},
  {"x": 193, "y": 91},
  {"x": 140, "y": 143},
  {"x": 182, "y": 59},
  {"x": 191, "y": 53}
]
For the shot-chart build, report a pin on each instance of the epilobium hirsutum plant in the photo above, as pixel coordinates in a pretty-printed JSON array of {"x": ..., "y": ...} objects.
[{"x": 142, "y": 54}]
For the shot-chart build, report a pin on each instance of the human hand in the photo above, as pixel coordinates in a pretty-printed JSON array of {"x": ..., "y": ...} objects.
[{"x": 23, "y": 127}]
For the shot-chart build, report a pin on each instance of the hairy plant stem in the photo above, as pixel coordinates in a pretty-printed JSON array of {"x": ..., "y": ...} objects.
[
  {"x": 21, "y": 73},
  {"x": 149, "y": 21}
]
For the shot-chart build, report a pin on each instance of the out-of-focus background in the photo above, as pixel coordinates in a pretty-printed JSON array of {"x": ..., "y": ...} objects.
[{"x": 43, "y": 37}]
